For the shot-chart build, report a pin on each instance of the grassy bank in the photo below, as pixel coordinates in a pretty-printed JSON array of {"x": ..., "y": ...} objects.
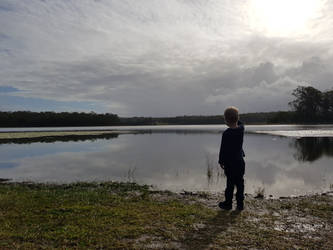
[
  {"x": 127, "y": 215},
  {"x": 52, "y": 136},
  {"x": 39, "y": 134}
]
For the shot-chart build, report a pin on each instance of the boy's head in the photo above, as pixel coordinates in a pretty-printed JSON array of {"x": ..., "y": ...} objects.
[{"x": 231, "y": 115}]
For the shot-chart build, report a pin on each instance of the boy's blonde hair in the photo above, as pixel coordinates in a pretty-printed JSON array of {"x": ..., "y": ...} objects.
[{"x": 231, "y": 114}]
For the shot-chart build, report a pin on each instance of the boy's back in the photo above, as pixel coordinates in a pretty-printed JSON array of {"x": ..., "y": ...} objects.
[
  {"x": 231, "y": 150},
  {"x": 231, "y": 159}
]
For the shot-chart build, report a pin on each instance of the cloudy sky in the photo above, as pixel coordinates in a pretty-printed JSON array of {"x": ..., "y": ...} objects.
[{"x": 162, "y": 57}]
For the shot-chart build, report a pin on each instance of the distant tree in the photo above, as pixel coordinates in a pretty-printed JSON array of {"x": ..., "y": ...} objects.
[
  {"x": 307, "y": 103},
  {"x": 327, "y": 103}
]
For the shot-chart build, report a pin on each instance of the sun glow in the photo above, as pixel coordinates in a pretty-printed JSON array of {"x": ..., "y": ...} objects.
[{"x": 283, "y": 17}]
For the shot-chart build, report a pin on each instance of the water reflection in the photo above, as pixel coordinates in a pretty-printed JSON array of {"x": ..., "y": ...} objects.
[
  {"x": 312, "y": 148},
  {"x": 174, "y": 161},
  {"x": 214, "y": 171}
]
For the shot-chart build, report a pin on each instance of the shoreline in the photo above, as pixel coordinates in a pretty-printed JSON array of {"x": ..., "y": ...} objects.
[
  {"x": 76, "y": 132},
  {"x": 255, "y": 195},
  {"x": 128, "y": 215}
]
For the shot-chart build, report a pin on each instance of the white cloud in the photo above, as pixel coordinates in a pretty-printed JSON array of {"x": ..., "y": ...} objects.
[{"x": 157, "y": 57}]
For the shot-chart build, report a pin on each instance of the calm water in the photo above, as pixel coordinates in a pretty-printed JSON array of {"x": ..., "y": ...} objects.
[{"x": 182, "y": 158}]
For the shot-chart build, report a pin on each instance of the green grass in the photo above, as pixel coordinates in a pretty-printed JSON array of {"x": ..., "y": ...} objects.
[
  {"x": 88, "y": 215},
  {"x": 127, "y": 215}
]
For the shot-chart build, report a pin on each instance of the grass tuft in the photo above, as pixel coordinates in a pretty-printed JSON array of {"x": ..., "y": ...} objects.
[{"x": 259, "y": 193}]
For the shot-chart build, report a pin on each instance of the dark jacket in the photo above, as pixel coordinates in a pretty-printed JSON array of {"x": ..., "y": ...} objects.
[{"x": 231, "y": 150}]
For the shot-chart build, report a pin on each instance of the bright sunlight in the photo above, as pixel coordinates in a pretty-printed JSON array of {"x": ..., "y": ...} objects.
[{"x": 283, "y": 17}]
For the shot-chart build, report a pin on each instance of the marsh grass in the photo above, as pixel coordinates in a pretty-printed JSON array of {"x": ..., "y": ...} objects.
[
  {"x": 259, "y": 193},
  {"x": 210, "y": 168},
  {"x": 209, "y": 173},
  {"x": 131, "y": 174},
  {"x": 213, "y": 169}
]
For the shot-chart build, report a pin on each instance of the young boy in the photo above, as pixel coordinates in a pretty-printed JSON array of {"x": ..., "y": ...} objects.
[{"x": 231, "y": 159}]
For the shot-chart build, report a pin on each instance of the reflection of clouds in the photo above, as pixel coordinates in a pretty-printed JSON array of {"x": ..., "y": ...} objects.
[
  {"x": 178, "y": 164},
  {"x": 266, "y": 174},
  {"x": 115, "y": 147},
  {"x": 171, "y": 161},
  {"x": 94, "y": 162},
  {"x": 277, "y": 179},
  {"x": 19, "y": 151},
  {"x": 271, "y": 163},
  {"x": 213, "y": 150},
  {"x": 285, "y": 186},
  {"x": 66, "y": 167}
]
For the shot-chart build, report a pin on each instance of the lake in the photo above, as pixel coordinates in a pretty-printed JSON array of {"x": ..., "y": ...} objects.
[{"x": 284, "y": 159}]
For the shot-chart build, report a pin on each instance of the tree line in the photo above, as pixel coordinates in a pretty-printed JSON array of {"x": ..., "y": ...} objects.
[
  {"x": 53, "y": 119},
  {"x": 74, "y": 119},
  {"x": 309, "y": 105},
  {"x": 249, "y": 118}
]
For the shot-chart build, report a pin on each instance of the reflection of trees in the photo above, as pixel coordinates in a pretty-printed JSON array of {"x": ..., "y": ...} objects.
[{"x": 312, "y": 148}]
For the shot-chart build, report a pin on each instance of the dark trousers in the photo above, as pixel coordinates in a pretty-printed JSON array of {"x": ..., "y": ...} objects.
[{"x": 232, "y": 181}]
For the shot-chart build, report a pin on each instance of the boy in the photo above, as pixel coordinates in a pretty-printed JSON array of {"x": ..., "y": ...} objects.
[{"x": 231, "y": 159}]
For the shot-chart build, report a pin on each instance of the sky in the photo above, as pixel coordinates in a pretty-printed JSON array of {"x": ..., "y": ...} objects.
[{"x": 162, "y": 57}]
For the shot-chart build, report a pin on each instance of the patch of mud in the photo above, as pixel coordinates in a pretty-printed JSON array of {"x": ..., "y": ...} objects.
[{"x": 295, "y": 220}]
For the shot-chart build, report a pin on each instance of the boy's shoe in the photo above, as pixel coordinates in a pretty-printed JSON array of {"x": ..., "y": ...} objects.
[
  {"x": 225, "y": 206},
  {"x": 240, "y": 206}
]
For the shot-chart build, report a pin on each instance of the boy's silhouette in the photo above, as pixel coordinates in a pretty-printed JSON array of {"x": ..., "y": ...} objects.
[{"x": 231, "y": 158}]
